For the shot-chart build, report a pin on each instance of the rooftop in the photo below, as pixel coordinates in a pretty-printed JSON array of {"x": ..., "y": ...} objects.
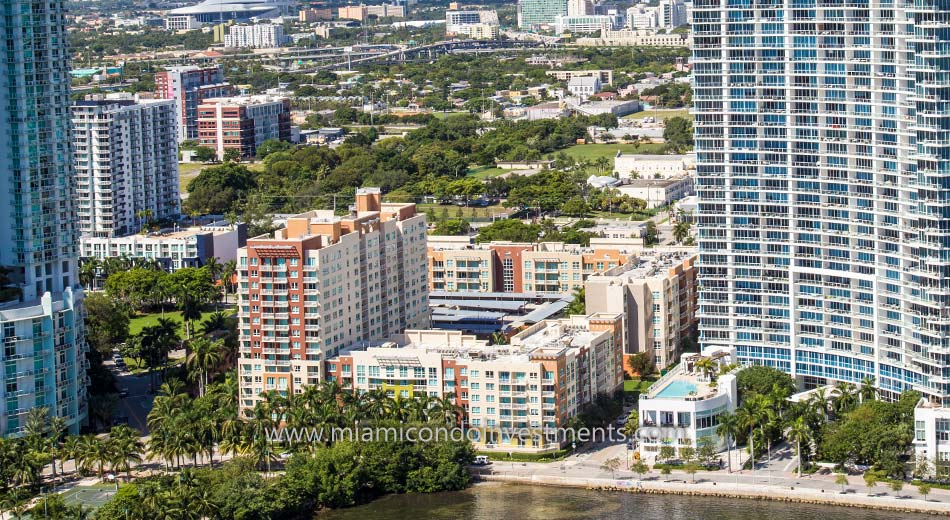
[
  {"x": 654, "y": 183},
  {"x": 690, "y": 382},
  {"x": 648, "y": 265},
  {"x": 258, "y": 99}
]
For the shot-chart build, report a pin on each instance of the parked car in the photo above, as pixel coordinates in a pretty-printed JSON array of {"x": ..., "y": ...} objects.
[{"x": 481, "y": 460}]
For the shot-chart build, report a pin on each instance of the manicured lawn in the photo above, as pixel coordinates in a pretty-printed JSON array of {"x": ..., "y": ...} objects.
[
  {"x": 661, "y": 114},
  {"x": 146, "y": 320},
  {"x": 188, "y": 171},
  {"x": 435, "y": 212},
  {"x": 592, "y": 152},
  {"x": 443, "y": 115},
  {"x": 637, "y": 385},
  {"x": 485, "y": 172}
]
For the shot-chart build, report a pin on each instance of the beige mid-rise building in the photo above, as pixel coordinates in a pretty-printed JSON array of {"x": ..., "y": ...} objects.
[
  {"x": 544, "y": 267},
  {"x": 657, "y": 294},
  {"x": 515, "y": 396},
  {"x": 324, "y": 282}
]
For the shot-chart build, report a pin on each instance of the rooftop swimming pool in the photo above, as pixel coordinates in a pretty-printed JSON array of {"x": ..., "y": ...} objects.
[{"x": 676, "y": 389}]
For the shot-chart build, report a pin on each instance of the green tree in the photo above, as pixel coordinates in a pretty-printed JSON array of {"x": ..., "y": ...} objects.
[
  {"x": 579, "y": 304},
  {"x": 575, "y": 207},
  {"x": 728, "y": 427},
  {"x": 678, "y": 133},
  {"x": 231, "y": 155},
  {"x": 217, "y": 189},
  {"x": 924, "y": 489},
  {"x": 454, "y": 227},
  {"x": 870, "y": 480},
  {"x": 896, "y": 486},
  {"x": 611, "y": 466},
  {"x": 513, "y": 230},
  {"x": 271, "y": 146},
  {"x": 842, "y": 480},
  {"x": 651, "y": 235},
  {"x": 641, "y": 364},
  {"x": 107, "y": 322},
  {"x": 667, "y": 453},
  {"x": 204, "y": 154}
]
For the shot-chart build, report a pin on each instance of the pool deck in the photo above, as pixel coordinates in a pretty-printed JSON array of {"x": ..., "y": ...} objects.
[{"x": 681, "y": 385}]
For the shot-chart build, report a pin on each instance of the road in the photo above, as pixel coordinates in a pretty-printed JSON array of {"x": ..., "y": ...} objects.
[{"x": 139, "y": 402}]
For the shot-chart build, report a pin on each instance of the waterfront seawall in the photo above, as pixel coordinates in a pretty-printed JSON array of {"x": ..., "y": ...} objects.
[{"x": 744, "y": 491}]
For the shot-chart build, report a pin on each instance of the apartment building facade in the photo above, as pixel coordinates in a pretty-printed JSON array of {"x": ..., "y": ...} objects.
[
  {"x": 255, "y": 36},
  {"x": 189, "y": 85},
  {"x": 242, "y": 123},
  {"x": 532, "y": 386},
  {"x": 821, "y": 170},
  {"x": 173, "y": 248},
  {"x": 657, "y": 292},
  {"x": 545, "y": 267},
  {"x": 126, "y": 162},
  {"x": 41, "y": 317},
  {"x": 325, "y": 282}
]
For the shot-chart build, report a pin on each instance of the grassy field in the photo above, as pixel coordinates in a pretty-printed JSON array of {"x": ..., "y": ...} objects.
[
  {"x": 637, "y": 385},
  {"x": 485, "y": 172},
  {"x": 434, "y": 212},
  {"x": 661, "y": 114},
  {"x": 592, "y": 152},
  {"x": 146, "y": 320}
]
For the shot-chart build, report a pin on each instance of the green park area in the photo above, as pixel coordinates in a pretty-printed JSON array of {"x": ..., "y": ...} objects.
[
  {"x": 485, "y": 172},
  {"x": 436, "y": 212},
  {"x": 141, "y": 321}
]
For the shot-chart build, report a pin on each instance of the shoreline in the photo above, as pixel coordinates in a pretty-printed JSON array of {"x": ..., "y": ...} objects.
[{"x": 743, "y": 491}]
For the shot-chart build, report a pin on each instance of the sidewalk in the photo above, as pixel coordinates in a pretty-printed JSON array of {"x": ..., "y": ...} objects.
[{"x": 816, "y": 491}]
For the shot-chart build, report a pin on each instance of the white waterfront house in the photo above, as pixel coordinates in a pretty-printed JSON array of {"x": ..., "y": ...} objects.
[{"x": 684, "y": 406}]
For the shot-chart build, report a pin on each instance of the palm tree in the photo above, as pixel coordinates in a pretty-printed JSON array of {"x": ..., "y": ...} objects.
[
  {"x": 867, "y": 392},
  {"x": 705, "y": 365},
  {"x": 681, "y": 231},
  {"x": 728, "y": 428},
  {"x": 204, "y": 357},
  {"x": 749, "y": 415},
  {"x": 125, "y": 449},
  {"x": 94, "y": 452},
  {"x": 799, "y": 433},
  {"x": 227, "y": 277}
]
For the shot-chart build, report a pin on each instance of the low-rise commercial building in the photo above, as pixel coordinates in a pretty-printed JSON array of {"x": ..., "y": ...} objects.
[
  {"x": 628, "y": 38},
  {"x": 515, "y": 396},
  {"x": 618, "y": 108},
  {"x": 242, "y": 123},
  {"x": 658, "y": 192},
  {"x": 657, "y": 293},
  {"x": 638, "y": 166},
  {"x": 314, "y": 15},
  {"x": 606, "y": 76},
  {"x": 682, "y": 409},
  {"x": 173, "y": 248},
  {"x": 583, "y": 86},
  {"x": 584, "y": 24},
  {"x": 386, "y": 11}
]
